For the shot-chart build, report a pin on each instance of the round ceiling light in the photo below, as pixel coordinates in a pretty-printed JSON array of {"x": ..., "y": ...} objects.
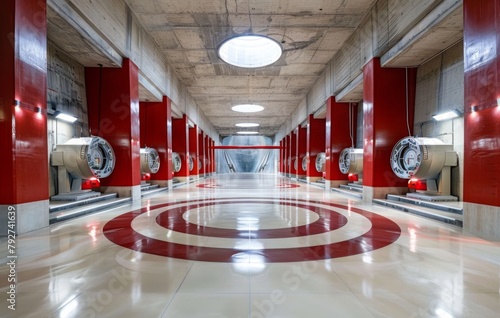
[
  {"x": 247, "y": 108},
  {"x": 250, "y": 51},
  {"x": 247, "y": 125},
  {"x": 247, "y": 132}
]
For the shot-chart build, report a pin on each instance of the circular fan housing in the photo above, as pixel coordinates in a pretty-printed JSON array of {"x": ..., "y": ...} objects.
[
  {"x": 421, "y": 158},
  {"x": 351, "y": 161},
  {"x": 150, "y": 160},
  {"x": 176, "y": 162},
  {"x": 87, "y": 157},
  {"x": 191, "y": 163},
  {"x": 305, "y": 161},
  {"x": 320, "y": 162}
]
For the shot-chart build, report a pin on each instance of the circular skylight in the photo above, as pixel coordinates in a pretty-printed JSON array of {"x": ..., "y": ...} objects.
[
  {"x": 247, "y": 108},
  {"x": 247, "y": 132},
  {"x": 247, "y": 125},
  {"x": 250, "y": 51}
]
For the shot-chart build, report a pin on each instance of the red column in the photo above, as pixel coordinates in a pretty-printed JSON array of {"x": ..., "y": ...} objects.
[
  {"x": 156, "y": 132},
  {"x": 180, "y": 145},
  {"x": 285, "y": 156},
  {"x": 288, "y": 163},
  {"x": 315, "y": 144},
  {"x": 338, "y": 137},
  {"x": 201, "y": 153},
  {"x": 212, "y": 152},
  {"x": 113, "y": 106},
  {"x": 481, "y": 186},
  {"x": 384, "y": 114},
  {"x": 280, "y": 163},
  {"x": 301, "y": 133},
  {"x": 208, "y": 159},
  {"x": 23, "y": 116},
  {"x": 293, "y": 154},
  {"x": 193, "y": 150}
]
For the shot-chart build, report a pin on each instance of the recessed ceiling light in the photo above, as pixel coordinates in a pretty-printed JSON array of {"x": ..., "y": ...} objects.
[
  {"x": 250, "y": 51},
  {"x": 247, "y": 125},
  {"x": 247, "y": 132},
  {"x": 247, "y": 108}
]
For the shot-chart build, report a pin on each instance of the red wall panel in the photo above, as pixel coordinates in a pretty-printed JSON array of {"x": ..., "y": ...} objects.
[
  {"x": 194, "y": 149},
  {"x": 156, "y": 132},
  {"x": 482, "y": 96},
  {"x": 116, "y": 118},
  {"x": 180, "y": 143},
  {"x": 293, "y": 153},
  {"x": 301, "y": 133},
  {"x": 338, "y": 135},
  {"x": 23, "y": 77},
  {"x": 316, "y": 133},
  {"x": 384, "y": 114}
]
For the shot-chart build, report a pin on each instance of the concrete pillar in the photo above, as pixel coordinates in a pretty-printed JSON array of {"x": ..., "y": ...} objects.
[
  {"x": 113, "y": 106},
  {"x": 24, "y": 198}
]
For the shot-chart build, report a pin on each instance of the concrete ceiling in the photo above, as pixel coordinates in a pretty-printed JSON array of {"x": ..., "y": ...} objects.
[{"x": 188, "y": 32}]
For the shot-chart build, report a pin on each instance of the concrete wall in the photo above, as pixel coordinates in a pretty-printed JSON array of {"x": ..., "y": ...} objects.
[
  {"x": 382, "y": 28},
  {"x": 118, "y": 26},
  {"x": 65, "y": 93},
  {"x": 440, "y": 88}
]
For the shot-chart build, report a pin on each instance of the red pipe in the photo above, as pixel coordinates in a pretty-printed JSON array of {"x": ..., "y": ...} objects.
[{"x": 246, "y": 147}]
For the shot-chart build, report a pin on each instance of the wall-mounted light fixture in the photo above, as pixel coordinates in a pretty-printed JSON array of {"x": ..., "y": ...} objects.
[
  {"x": 447, "y": 115},
  {"x": 66, "y": 117}
]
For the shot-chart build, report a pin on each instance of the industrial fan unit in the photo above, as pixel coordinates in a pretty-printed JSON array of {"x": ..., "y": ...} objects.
[
  {"x": 150, "y": 160},
  {"x": 79, "y": 159},
  {"x": 427, "y": 159},
  {"x": 176, "y": 162}
]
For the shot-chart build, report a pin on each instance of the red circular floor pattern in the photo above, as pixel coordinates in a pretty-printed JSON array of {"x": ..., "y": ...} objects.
[
  {"x": 328, "y": 221},
  {"x": 213, "y": 185},
  {"x": 382, "y": 233}
]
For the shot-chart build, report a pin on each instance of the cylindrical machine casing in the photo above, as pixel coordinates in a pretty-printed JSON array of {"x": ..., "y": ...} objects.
[
  {"x": 351, "y": 161},
  {"x": 305, "y": 161},
  {"x": 191, "y": 163},
  {"x": 176, "y": 162},
  {"x": 320, "y": 162},
  {"x": 421, "y": 158},
  {"x": 85, "y": 157},
  {"x": 150, "y": 160}
]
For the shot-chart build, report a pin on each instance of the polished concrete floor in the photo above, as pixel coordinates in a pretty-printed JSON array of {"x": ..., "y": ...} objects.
[{"x": 241, "y": 246}]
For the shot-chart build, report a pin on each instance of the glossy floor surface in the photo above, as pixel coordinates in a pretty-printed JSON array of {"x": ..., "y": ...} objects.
[{"x": 241, "y": 246}]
